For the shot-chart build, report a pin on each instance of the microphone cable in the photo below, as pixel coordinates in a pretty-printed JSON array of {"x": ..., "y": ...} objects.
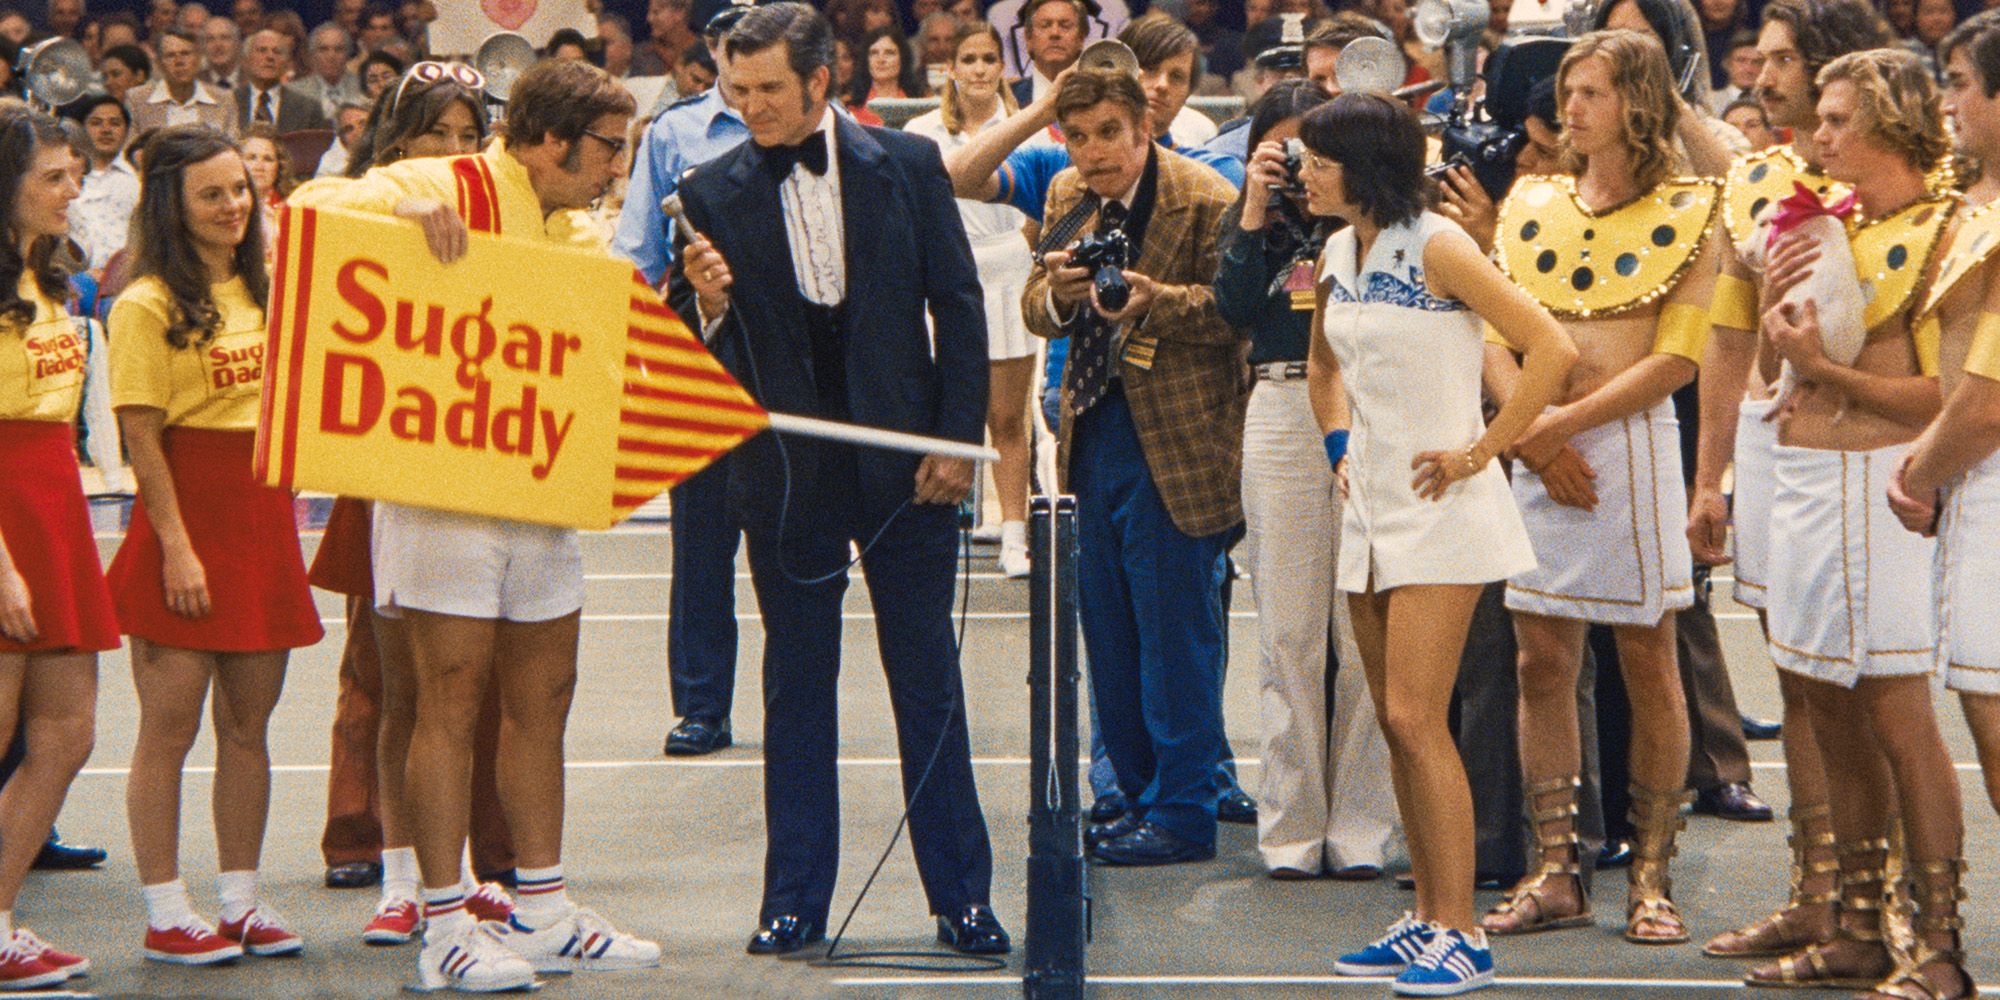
[{"x": 910, "y": 961}]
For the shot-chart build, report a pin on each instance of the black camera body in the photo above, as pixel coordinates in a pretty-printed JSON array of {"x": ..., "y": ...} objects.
[
  {"x": 1107, "y": 255},
  {"x": 1295, "y": 154},
  {"x": 1487, "y": 148}
]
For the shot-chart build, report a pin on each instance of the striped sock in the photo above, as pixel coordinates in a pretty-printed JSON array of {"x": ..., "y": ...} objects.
[
  {"x": 540, "y": 896},
  {"x": 444, "y": 911}
]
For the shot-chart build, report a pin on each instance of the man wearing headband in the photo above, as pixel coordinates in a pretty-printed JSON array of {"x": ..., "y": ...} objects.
[{"x": 492, "y": 601}]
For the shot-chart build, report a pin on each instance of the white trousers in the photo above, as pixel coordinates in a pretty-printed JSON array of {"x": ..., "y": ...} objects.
[{"x": 1324, "y": 799}]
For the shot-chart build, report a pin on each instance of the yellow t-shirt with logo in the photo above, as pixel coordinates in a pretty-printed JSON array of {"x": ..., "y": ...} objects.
[
  {"x": 41, "y": 366},
  {"x": 211, "y": 386}
]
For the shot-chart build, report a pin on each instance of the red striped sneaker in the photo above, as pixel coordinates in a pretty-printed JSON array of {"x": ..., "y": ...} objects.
[
  {"x": 396, "y": 922},
  {"x": 190, "y": 942},
  {"x": 263, "y": 932},
  {"x": 22, "y": 968},
  {"x": 74, "y": 965},
  {"x": 489, "y": 902}
]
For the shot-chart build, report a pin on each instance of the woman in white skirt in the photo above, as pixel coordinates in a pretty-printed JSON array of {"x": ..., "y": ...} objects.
[
  {"x": 976, "y": 97},
  {"x": 1429, "y": 519}
]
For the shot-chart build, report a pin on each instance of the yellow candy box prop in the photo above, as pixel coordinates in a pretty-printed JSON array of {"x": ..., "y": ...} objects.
[{"x": 524, "y": 381}]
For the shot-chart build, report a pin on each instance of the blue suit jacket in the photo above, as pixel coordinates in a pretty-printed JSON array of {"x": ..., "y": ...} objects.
[{"x": 906, "y": 254}]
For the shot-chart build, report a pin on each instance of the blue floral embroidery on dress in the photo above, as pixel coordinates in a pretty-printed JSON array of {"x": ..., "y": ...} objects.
[
  {"x": 1413, "y": 294},
  {"x": 1384, "y": 287}
]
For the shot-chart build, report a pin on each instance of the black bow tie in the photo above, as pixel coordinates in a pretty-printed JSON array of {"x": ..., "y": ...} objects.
[{"x": 809, "y": 153}]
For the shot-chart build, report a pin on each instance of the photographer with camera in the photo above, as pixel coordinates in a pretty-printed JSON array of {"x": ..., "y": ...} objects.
[
  {"x": 1324, "y": 803},
  {"x": 1151, "y": 439}
]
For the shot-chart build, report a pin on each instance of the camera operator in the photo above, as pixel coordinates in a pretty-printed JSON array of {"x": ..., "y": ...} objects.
[
  {"x": 1151, "y": 439},
  {"x": 1324, "y": 803}
]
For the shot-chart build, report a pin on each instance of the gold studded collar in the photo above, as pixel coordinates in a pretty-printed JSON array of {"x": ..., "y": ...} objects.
[
  {"x": 1757, "y": 181},
  {"x": 1581, "y": 264},
  {"x": 1977, "y": 236},
  {"x": 1892, "y": 254}
]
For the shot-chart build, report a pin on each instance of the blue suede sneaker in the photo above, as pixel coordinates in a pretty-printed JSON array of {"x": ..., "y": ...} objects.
[
  {"x": 1452, "y": 964},
  {"x": 1389, "y": 954}
]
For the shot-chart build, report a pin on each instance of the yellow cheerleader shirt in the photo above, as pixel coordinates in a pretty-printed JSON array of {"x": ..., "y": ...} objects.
[
  {"x": 212, "y": 385},
  {"x": 41, "y": 366}
]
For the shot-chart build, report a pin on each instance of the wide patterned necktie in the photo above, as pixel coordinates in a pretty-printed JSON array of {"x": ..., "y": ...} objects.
[
  {"x": 1090, "y": 345},
  {"x": 264, "y": 108}
]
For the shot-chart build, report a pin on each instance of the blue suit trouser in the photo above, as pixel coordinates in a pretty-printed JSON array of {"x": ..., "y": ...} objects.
[
  {"x": 1152, "y": 627},
  {"x": 701, "y": 597}
]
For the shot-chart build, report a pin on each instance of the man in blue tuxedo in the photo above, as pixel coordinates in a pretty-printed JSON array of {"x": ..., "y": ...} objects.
[{"x": 818, "y": 247}]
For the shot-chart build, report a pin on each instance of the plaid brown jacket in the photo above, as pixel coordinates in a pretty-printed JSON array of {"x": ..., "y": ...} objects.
[{"x": 1189, "y": 405}]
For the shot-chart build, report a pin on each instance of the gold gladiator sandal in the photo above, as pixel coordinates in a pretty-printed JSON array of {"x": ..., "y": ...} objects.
[
  {"x": 1785, "y": 931},
  {"x": 1650, "y": 915},
  {"x": 1527, "y": 908},
  {"x": 1936, "y": 890},
  {"x": 1863, "y": 890}
]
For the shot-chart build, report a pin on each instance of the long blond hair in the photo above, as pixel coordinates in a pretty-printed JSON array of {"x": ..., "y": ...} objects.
[
  {"x": 1895, "y": 101},
  {"x": 1645, "y": 87},
  {"x": 948, "y": 102}
]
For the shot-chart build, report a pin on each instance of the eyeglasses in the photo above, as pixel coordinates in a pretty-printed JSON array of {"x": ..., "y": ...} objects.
[
  {"x": 617, "y": 145},
  {"x": 429, "y": 72},
  {"x": 1315, "y": 162}
]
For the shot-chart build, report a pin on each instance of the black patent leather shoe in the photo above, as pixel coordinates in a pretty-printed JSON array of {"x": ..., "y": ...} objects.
[
  {"x": 974, "y": 931},
  {"x": 1098, "y": 833},
  {"x": 1236, "y": 807},
  {"x": 1108, "y": 807},
  {"x": 697, "y": 735},
  {"x": 58, "y": 856},
  {"x": 353, "y": 875},
  {"x": 782, "y": 935},
  {"x": 1732, "y": 801},
  {"x": 1151, "y": 844},
  {"x": 1761, "y": 729},
  {"x": 1615, "y": 854}
]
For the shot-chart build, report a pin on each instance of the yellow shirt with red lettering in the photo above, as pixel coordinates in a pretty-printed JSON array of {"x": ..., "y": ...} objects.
[
  {"x": 41, "y": 366},
  {"x": 212, "y": 385}
]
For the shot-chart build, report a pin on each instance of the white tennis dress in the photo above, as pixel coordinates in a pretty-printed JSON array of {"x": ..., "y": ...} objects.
[{"x": 1410, "y": 363}]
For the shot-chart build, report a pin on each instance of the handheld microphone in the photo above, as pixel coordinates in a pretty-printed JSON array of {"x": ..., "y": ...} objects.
[{"x": 671, "y": 205}]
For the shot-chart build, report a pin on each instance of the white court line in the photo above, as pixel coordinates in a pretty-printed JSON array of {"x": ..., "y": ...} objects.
[
  {"x": 1376, "y": 982},
  {"x": 750, "y": 762},
  {"x": 852, "y": 616}
]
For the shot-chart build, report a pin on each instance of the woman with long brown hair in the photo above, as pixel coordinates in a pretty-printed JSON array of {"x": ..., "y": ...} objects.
[
  {"x": 209, "y": 582},
  {"x": 55, "y": 613}
]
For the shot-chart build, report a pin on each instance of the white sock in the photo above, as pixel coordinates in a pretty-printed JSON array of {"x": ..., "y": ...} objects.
[
  {"x": 466, "y": 879},
  {"x": 167, "y": 904},
  {"x": 6, "y": 925},
  {"x": 239, "y": 894},
  {"x": 1014, "y": 533},
  {"x": 444, "y": 912},
  {"x": 540, "y": 895},
  {"x": 399, "y": 873}
]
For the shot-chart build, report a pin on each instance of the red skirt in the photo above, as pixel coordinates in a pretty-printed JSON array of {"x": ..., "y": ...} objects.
[
  {"x": 248, "y": 543},
  {"x": 344, "y": 563},
  {"x": 46, "y": 524}
]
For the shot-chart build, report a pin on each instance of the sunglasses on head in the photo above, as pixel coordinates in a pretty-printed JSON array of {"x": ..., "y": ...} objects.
[{"x": 430, "y": 71}]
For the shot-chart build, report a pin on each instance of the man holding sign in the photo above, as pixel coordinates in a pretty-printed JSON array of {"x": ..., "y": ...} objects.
[{"x": 489, "y": 600}]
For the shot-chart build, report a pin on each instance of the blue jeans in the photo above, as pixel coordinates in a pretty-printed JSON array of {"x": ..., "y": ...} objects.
[
  {"x": 1152, "y": 626},
  {"x": 701, "y": 597}
]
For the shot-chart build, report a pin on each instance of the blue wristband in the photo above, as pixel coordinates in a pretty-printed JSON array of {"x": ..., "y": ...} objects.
[{"x": 1336, "y": 446}]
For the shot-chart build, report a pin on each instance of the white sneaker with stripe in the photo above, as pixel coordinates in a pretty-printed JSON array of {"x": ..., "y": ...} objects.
[
  {"x": 471, "y": 961},
  {"x": 580, "y": 941}
]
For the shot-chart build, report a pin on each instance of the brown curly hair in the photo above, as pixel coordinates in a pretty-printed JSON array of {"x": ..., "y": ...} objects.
[
  {"x": 1645, "y": 88},
  {"x": 1896, "y": 102}
]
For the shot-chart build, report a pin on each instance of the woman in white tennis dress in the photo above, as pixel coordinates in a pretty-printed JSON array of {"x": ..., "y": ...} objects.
[{"x": 1429, "y": 518}]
